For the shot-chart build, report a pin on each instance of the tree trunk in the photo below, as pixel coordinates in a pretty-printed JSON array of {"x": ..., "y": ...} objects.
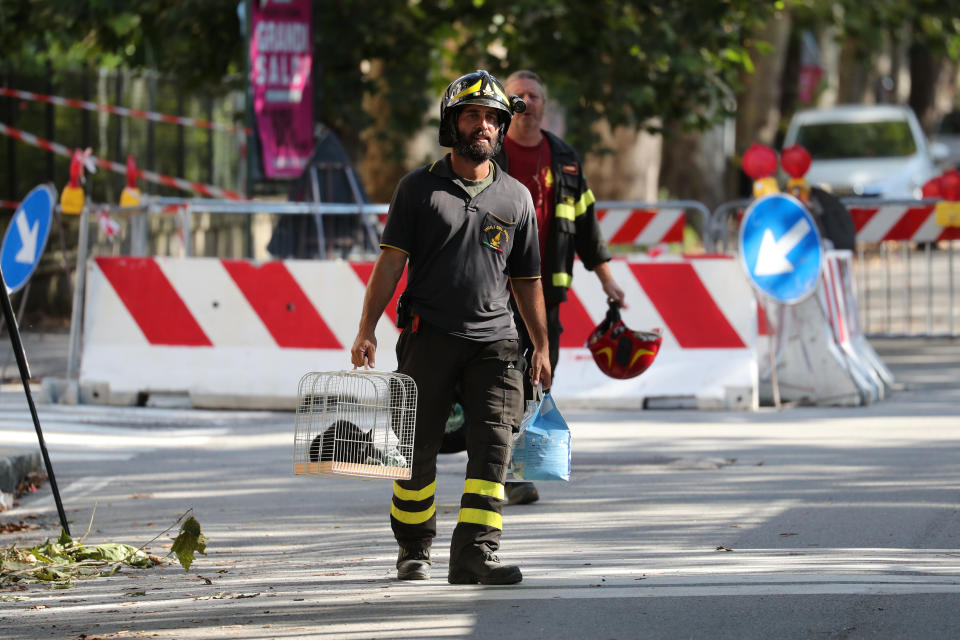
[
  {"x": 694, "y": 165},
  {"x": 758, "y": 113},
  {"x": 758, "y": 104},
  {"x": 923, "y": 78},
  {"x": 853, "y": 81},
  {"x": 380, "y": 169},
  {"x": 631, "y": 171},
  {"x": 945, "y": 90}
]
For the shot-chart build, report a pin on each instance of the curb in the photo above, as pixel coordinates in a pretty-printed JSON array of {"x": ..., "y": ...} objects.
[{"x": 15, "y": 467}]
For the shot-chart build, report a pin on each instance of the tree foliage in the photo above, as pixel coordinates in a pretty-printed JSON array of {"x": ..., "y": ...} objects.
[
  {"x": 629, "y": 62},
  {"x": 930, "y": 23},
  {"x": 197, "y": 40},
  {"x": 929, "y": 29},
  {"x": 623, "y": 61}
]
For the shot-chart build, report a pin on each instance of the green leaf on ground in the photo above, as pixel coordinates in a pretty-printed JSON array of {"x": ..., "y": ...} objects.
[
  {"x": 118, "y": 552},
  {"x": 59, "y": 562},
  {"x": 189, "y": 541}
]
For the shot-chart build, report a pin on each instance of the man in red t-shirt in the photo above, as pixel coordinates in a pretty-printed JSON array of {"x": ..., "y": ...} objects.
[
  {"x": 553, "y": 173},
  {"x": 531, "y": 166}
]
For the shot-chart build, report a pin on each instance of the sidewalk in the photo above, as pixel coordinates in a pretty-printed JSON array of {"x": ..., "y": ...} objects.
[{"x": 46, "y": 352}]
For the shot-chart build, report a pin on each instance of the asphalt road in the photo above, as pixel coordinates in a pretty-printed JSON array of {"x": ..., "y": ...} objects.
[{"x": 802, "y": 523}]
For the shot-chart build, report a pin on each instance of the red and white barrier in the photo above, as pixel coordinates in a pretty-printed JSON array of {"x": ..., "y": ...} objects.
[
  {"x": 645, "y": 227},
  {"x": 900, "y": 222},
  {"x": 874, "y": 224},
  {"x": 709, "y": 319},
  {"x": 638, "y": 227},
  {"x": 226, "y": 332},
  {"x": 233, "y": 333}
]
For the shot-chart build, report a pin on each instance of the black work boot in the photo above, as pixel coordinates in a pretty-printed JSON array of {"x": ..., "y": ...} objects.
[
  {"x": 521, "y": 492},
  {"x": 413, "y": 564},
  {"x": 479, "y": 566}
]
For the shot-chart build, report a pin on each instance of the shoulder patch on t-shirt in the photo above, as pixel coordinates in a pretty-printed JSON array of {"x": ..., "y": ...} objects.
[{"x": 571, "y": 168}]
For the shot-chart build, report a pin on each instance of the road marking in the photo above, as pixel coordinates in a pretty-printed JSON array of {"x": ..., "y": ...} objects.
[
  {"x": 694, "y": 573},
  {"x": 88, "y": 485},
  {"x": 108, "y": 433},
  {"x": 88, "y": 442}
]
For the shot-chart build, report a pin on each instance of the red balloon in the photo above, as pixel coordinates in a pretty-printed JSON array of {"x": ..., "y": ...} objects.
[
  {"x": 932, "y": 188},
  {"x": 950, "y": 185},
  {"x": 795, "y": 161},
  {"x": 759, "y": 161}
]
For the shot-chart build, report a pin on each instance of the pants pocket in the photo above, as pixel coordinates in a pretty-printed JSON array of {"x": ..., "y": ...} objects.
[{"x": 511, "y": 385}]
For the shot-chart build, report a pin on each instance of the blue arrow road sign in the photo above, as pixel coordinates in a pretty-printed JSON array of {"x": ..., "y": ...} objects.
[
  {"x": 26, "y": 237},
  {"x": 780, "y": 248}
]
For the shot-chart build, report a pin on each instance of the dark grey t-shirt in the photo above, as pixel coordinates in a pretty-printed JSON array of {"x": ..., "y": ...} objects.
[{"x": 463, "y": 251}]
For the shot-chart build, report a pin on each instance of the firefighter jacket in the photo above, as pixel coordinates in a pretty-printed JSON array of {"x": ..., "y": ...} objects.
[{"x": 573, "y": 226}]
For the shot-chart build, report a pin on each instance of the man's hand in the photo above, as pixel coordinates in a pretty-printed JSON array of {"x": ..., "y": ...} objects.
[
  {"x": 614, "y": 292},
  {"x": 540, "y": 369},
  {"x": 364, "y": 350},
  {"x": 528, "y": 292},
  {"x": 610, "y": 286}
]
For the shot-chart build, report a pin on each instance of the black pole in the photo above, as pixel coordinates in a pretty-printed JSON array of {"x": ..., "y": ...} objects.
[{"x": 25, "y": 377}]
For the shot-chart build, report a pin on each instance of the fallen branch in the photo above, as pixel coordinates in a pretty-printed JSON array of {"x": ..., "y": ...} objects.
[{"x": 59, "y": 562}]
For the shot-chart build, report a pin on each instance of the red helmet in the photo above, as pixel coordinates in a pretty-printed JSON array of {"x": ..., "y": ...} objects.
[{"x": 620, "y": 352}]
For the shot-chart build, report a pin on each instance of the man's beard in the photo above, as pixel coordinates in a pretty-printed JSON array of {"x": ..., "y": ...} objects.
[{"x": 475, "y": 150}]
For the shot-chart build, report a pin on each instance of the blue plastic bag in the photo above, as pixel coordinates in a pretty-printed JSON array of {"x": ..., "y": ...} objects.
[{"x": 541, "y": 450}]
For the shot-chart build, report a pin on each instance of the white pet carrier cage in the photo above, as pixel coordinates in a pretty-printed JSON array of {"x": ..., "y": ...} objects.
[{"x": 355, "y": 423}]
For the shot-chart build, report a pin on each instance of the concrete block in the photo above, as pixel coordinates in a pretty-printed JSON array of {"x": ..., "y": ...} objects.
[
  {"x": 14, "y": 467},
  {"x": 59, "y": 391}
]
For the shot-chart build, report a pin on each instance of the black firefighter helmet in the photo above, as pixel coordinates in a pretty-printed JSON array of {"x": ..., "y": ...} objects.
[{"x": 480, "y": 88}]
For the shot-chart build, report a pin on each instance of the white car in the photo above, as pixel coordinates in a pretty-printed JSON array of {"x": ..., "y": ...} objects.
[{"x": 866, "y": 150}]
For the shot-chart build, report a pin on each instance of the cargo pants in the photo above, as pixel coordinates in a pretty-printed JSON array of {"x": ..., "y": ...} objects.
[{"x": 491, "y": 390}]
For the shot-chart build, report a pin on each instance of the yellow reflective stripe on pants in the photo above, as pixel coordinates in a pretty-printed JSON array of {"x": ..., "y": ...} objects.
[
  {"x": 484, "y": 488},
  {"x": 412, "y": 517},
  {"x": 414, "y": 495},
  {"x": 481, "y": 516},
  {"x": 562, "y": 280}
]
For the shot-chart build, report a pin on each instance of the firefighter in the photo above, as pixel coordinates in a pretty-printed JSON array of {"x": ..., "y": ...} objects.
[
  {"x": 566, "y": 220},
  {"x": 469, "y": 233}
]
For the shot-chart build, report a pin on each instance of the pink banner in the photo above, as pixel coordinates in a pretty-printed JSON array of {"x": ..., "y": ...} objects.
[{"x": 281, "y": 47}]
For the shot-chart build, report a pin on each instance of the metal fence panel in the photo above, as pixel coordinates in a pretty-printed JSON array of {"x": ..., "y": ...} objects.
[{"x": 905, "y": 267}]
